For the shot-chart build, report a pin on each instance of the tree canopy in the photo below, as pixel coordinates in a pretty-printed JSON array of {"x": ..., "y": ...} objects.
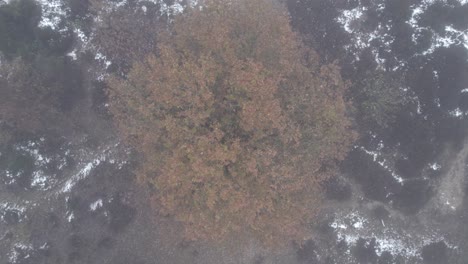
[
  {"x": 37, "y": 81},
  {"x": 20, "y": 35},
  {"x": 237, "y": 122}
]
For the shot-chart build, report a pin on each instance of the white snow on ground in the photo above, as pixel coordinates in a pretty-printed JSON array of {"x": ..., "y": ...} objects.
[
  {"x": 458, "y": 113},
  {"x": 377, "y": 157},
  {"x": 173, "y": 9},
  {"x": 91, "y": 160},
  {"x": 170, "y": 10},
  {"x": 452, "y": 36},
  {"x": 103, "y": 59},
  {"x": 81, "y": 35},
  {"x": 43, "y": 179},
  {"x": 32, "y": 148},
  {"x": 70, "y": 216},
  {"x": 72, "y": 54},
  {"x": 351, "y": 19},
  {"x": 435, "y": 166},
  {"x": 82, "y": 173},
  {"x": 52, "y": 13},
  {"x": 12, "y": 207},
  {"x": 352, "y": 226},
  {"x": 81, "y": 45},
  {"x": 95, "y": 205},
  {"x": 10, "y": 178},
  {"x": 349, "y": 16},
  {"x": 86, "y": 161},
  {"x": 15, "y": 252},
  {"x": 40, "y": 179},
  {"x": 352, "y": 220}
]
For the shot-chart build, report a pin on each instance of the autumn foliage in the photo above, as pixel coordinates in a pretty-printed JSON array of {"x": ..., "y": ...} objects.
[{"x": 237, "y": 123}]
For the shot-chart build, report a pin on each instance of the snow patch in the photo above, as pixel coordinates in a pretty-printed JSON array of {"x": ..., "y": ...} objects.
[
  {"x": 450, "y": 205},
  {"x": 32, "y": 148},
  {"x": 72, "y": 54},
  {"x": 351, "y": 21},
  {"x": 52, "y": 13},
  {"x": 347, "y": 17},
  {"x": 435, "y": 166},
  {"x": 83, "y": 173},
  {"x": 90, "y": 161},
  {"x": 10, "y": 178},
  {"x": 377, "y": 157},
  {"x": 452, "y": 37},
  {"x": 20, "y": 210},
  {"x": 458, "y": 113},
  {"x": 40, "y": 179},
  {"x": 18, "y": 250},
  {"x": 96, "y": 205},
  {"x": 102, "y": 58},
  {"x": 81, "y": 35},
  {"x": 70, "y": 216},
  {"x": 352, "y": 219},
  {"x": 353, "y": 226},
  {"x": 173, "y": 9}
]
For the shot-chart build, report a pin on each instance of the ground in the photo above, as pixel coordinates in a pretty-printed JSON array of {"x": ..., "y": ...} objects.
[{"x": 74, "y": 200}]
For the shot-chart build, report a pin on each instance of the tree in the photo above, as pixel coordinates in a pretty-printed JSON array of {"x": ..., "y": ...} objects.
[
  {"x": 18, "y": 21},
  {"x": 236, "y": 121},
  {"x": 126, "y": 33},
  {"x": 21, "y": 36},
  {"x": 379, "y": 96},
  {"x": 35, "y": 96}
]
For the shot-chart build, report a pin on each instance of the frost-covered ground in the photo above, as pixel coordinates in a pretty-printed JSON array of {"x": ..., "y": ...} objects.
[
  {"x": 388, "y": 235},
  {"x": 404, "y": 235},
  {"x": 45, "y": 182},
  {"x": 53, "y": 12},
  {"x": 352, "y": 20}
]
